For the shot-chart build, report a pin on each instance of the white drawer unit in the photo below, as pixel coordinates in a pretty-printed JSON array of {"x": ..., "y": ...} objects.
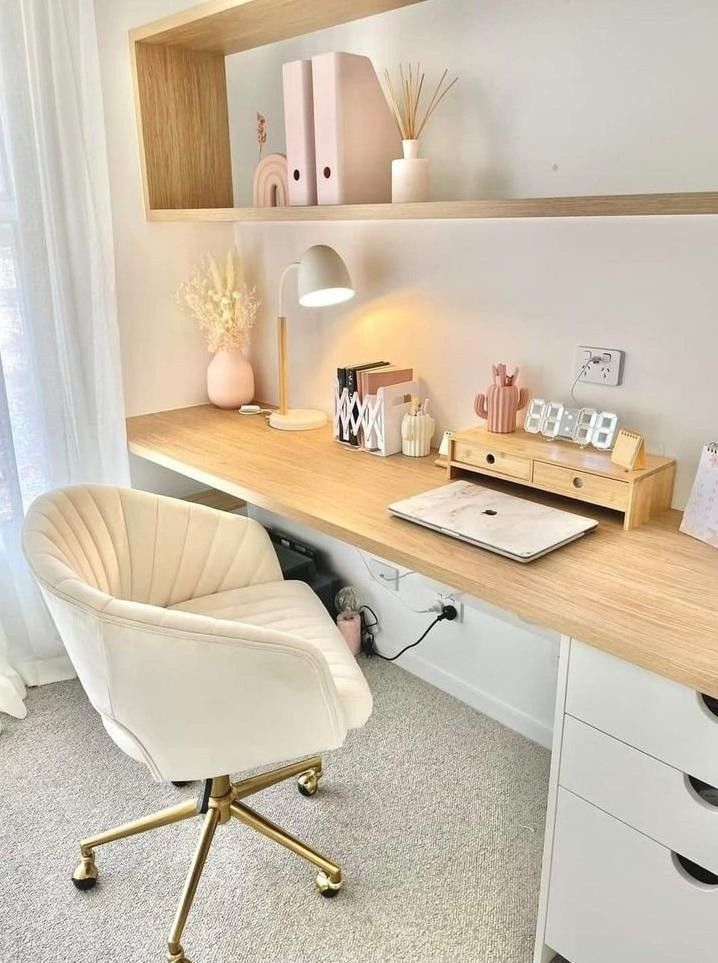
[
  {"x": 630, "y": 869},
  {"x": 643, "y": 792},
  {"x": 658, "y": 716},
  {"x": 617, "y": 896}
]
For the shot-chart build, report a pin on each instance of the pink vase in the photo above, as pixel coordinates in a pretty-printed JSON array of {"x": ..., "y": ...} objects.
[
  {"x": 230, "y": 379},
  {"x": 499, "y": 406}
]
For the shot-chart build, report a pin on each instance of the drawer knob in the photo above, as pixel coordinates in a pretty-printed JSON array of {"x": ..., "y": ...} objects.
[
  {"x": 693, "y": 872},
  {"x": 711, "y": 704},
  {"x": 704, "y": 791},
  {"x": 491, "y": 459},
  {"x": 578, "y": 482}
]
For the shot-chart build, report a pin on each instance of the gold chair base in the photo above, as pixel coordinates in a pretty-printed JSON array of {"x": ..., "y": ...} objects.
[{"x": 222, "y": 804}]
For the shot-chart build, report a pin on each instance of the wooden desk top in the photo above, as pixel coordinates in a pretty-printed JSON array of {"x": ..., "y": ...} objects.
[{"x": 649, "y": 596}]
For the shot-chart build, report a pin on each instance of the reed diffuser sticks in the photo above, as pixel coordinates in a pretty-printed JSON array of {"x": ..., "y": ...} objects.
[{"x": 406, "y": 104}]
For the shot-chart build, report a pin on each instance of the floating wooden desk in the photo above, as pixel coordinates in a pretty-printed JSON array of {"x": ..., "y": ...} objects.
[{"x": 649, "y": 596}]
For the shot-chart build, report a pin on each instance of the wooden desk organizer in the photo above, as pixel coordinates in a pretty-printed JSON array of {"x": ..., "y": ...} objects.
[{"x": 562, "y": 468}]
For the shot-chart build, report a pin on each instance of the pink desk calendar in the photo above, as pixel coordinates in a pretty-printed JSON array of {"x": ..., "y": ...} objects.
[{"x": 700, "y": 518}]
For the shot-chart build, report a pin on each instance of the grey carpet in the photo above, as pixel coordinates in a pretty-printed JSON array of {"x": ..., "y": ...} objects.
[{"x": 434, "y": 811}]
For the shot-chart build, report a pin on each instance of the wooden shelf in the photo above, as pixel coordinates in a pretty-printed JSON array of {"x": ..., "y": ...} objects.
[
  {"x": 230, "y": 26},
  {"x": 613, "y": 205},
  {"x": 181, "y": 102}
]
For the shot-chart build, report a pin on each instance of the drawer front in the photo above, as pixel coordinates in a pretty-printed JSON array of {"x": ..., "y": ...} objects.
[
  {"x": 492, "y": 460},
  {"x": 649, "y": 795},
  {"x": 658, "y": 716},
  {"x": 582, "y": 485},
  {"x": 616, "y": 895}
]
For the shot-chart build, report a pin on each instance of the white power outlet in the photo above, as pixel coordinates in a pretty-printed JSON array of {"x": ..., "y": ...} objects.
[
  {"x": 599, "y": 366},
  {"x": 442, "y": 600},
  {"x": 387, "y": 574}
]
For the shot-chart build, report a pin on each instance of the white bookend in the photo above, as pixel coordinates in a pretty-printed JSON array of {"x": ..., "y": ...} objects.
[{"x": 376, "y": 419}]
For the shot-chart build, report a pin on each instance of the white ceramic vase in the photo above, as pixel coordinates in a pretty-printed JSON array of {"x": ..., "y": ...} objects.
[
  {"x": 417, "y": 430},
  {"x": 230, "y": 379},
  {"x": 410, "y": 175}
]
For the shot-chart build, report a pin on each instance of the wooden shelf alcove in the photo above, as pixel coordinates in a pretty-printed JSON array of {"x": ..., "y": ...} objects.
[{"x": 181, "y": 104}]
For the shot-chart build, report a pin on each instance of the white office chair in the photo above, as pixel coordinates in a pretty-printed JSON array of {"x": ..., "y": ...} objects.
[{"x": 199, "y": 658}]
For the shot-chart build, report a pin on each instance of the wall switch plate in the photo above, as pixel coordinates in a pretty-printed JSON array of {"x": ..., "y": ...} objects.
[{"x": 603, "y": 366}]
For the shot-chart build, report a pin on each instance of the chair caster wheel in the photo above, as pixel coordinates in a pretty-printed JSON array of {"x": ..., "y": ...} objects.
[
  {"x": 181, "y": 785},
  {"x": 308, "y": 783},
  {"x": 178, "y": 957},
  {"x": 327, "y": 887},
  {"x": 85, "y": 875}
]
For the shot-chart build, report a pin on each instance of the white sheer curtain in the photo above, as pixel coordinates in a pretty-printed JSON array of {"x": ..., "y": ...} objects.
[{"x": 61, "y": 409}]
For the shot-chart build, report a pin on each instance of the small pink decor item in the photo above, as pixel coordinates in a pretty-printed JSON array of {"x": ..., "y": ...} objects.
[
  {"x": 270, "y": 188},
  {"x": 349, "y": 624},
  {"x": 230, "y": 379},
  {"x": 503, "y": 399}
]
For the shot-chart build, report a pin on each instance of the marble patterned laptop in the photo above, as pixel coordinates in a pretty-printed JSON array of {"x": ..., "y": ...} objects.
[{"x": 515, "y": 527}]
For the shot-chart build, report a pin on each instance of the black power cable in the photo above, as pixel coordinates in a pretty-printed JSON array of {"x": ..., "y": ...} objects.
[{"x": 448, "y": 613}]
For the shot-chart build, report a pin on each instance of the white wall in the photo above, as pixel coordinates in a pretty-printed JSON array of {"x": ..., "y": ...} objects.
[
  {"x": 452, "y": 297},
  {"x": 619, "y": 96},
  {"x": 554, "y": 96}
]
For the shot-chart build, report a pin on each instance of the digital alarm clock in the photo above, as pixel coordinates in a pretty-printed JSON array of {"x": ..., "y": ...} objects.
[{"x": 584, "y": 426}]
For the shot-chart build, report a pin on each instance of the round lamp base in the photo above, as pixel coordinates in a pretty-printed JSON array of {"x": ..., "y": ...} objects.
[{"x": 298, "y": 419}]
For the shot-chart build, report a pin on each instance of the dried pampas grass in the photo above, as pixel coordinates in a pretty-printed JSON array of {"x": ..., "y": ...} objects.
[{"x": 220, "y": 302}]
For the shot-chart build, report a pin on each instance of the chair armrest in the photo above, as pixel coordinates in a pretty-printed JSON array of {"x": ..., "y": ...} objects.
[{"x": 207, "y": 696}]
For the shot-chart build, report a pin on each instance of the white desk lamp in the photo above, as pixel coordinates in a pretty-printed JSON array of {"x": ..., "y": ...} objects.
[{"x": 323, "y": 279}]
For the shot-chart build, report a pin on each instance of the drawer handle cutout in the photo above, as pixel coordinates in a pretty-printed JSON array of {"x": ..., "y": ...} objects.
[
  {"x": 578, "y": 482},
  {"x": 491, "y": 459},
  {"x": 710, "y": 703},
  {"x": 703, "y": 791},
  {"x": 693, "y": 872}
]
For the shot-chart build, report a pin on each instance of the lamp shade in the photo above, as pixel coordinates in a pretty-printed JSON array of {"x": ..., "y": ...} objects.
[{"x": 323, "y": 278}]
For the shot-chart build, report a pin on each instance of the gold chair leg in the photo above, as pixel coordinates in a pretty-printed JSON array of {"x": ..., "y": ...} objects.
[
  {"x": 85, "y": 875},
  {"x": 329, "y": 878},
  {"x": 312, "y": 768},
  {"x": 175, "y": 953}
]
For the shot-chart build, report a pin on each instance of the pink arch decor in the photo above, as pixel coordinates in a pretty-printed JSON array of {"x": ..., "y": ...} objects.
[{"x": 270, "y": 182}]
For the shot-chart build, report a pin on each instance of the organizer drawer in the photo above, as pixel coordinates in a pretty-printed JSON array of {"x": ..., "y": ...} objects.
[
  {"x": 492, "y": 460},
  {"x": 616, "y": 895},
  {"x": 658, "y": 716},
  {"x": 582, "y": 485},
  {"x": 649, "y": 795}
]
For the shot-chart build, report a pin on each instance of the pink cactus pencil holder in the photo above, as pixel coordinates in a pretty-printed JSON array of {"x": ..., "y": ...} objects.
[{"x": 501, "y": 401}]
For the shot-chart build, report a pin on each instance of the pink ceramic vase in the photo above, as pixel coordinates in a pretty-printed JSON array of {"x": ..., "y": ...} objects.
[
  {"x": 230, "y": 379},
  {"x": 499, "y": 406}
]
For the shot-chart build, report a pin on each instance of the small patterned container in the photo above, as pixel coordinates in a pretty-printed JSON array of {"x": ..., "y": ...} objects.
[{"x": 417, "y": 430}]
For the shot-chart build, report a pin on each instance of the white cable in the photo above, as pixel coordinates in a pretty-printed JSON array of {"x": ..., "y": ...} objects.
[
  {"x": 583, "y": 370},
  {"x": 386, "y": 587}
]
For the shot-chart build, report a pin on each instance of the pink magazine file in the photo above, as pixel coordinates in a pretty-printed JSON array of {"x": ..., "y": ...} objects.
[
  {"x": 355, "y": 134},
  {"x": 299, "y": 132}
]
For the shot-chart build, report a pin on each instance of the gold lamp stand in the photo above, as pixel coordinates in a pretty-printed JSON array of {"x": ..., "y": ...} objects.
[{"x": 219, "y": 802}]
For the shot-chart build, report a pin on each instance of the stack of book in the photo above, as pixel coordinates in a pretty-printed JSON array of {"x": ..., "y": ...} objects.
[{"x": 362, "y": 381}]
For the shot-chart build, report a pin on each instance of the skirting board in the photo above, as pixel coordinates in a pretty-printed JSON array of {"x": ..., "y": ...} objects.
[{"x": 504, "y": 713}]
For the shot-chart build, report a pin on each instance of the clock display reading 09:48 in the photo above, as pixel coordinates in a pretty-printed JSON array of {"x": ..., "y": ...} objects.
[{"x": 584, "y": 426}]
